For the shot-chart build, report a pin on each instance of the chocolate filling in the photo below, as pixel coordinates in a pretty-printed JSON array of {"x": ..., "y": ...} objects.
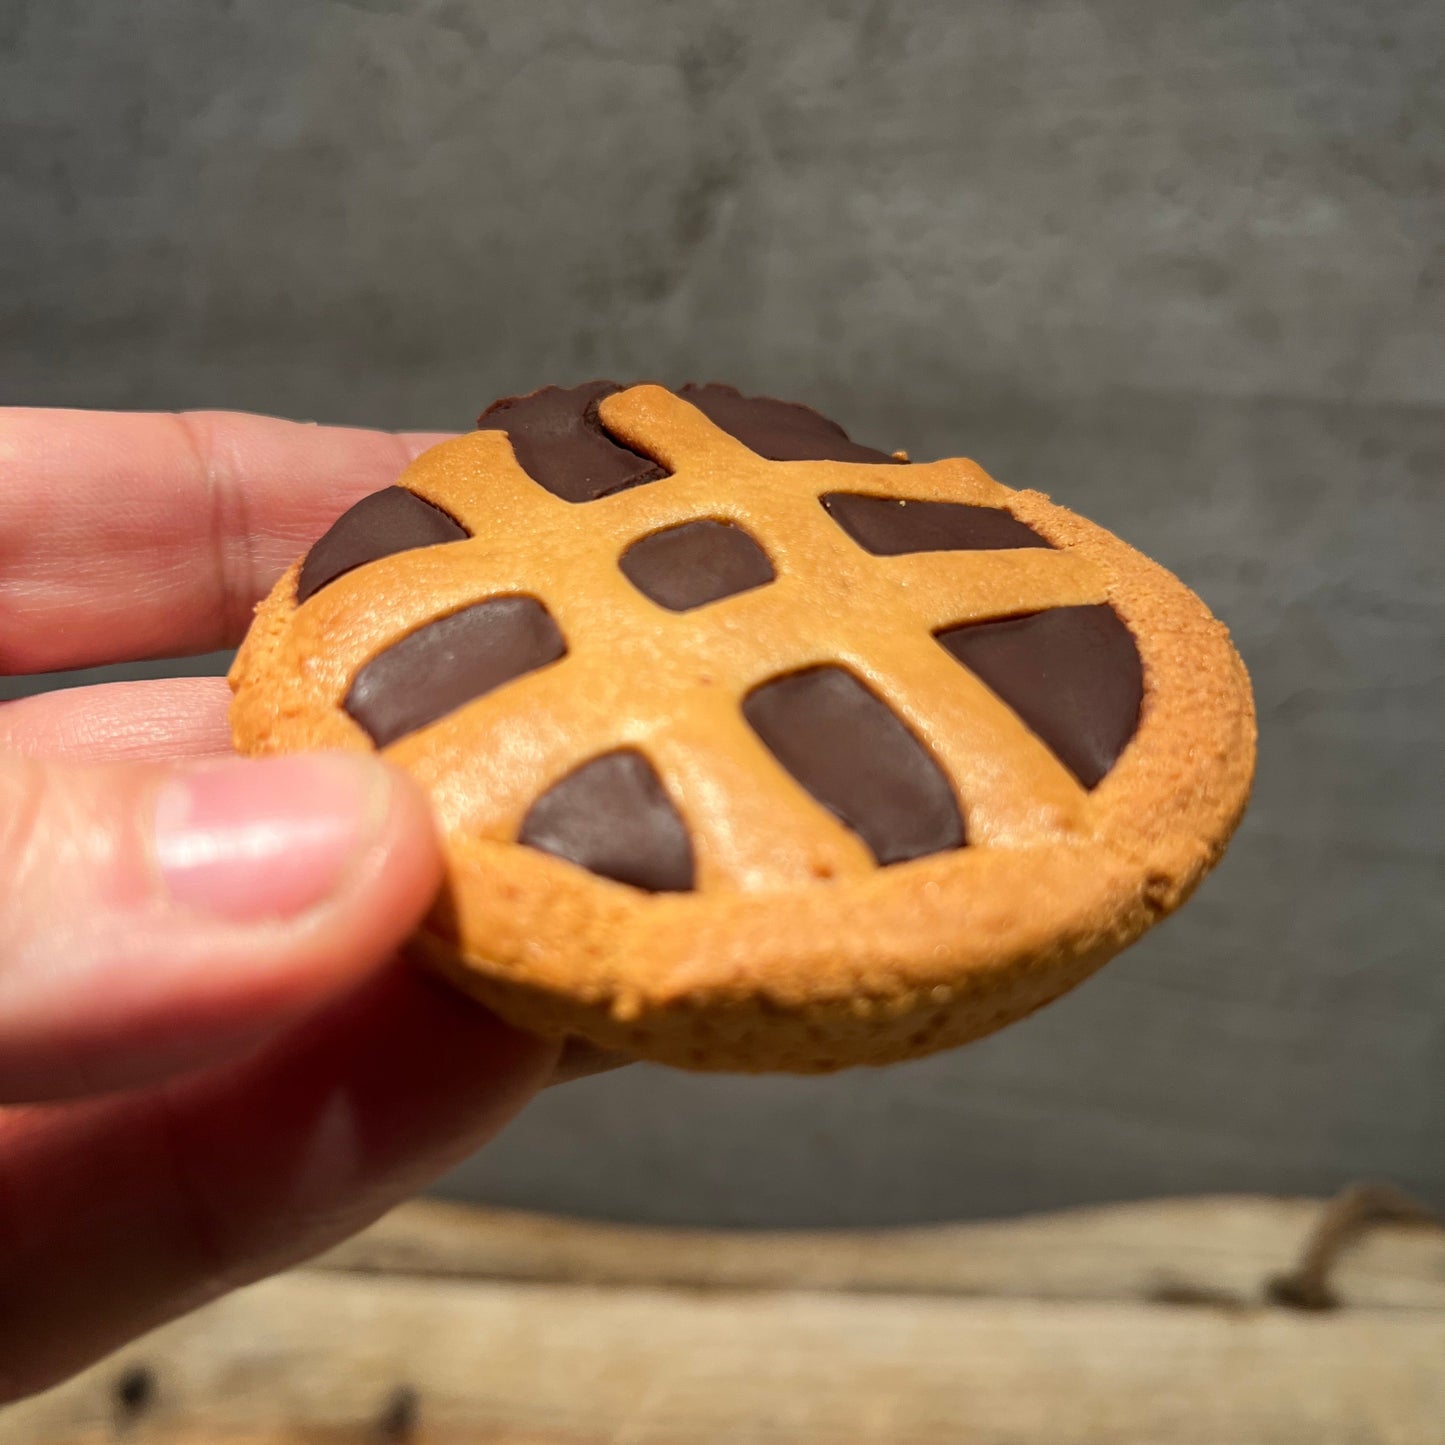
[
  {"x": 559, "y": 441},
  {"x": 696, "y": 563},
  {"x": 783, "y": 431},
  {"x": 1072, "y": 674},
  {"x": 450, "y": 662},
  {"x": 394, "y": 520},
  {"x": 889, "y": 528},
  {"x": 613, "y": 817},
  {"x": 853, "y": 754}
]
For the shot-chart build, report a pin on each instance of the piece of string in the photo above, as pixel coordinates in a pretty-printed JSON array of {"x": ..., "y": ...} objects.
[{"x": 1342, "y": 1223}]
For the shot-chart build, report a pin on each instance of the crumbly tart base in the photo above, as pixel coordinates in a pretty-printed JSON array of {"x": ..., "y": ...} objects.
[{"x": 873, "y": 969}]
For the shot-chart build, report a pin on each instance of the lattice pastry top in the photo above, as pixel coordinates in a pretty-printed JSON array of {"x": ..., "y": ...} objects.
[{"x": 753, "y": 747}]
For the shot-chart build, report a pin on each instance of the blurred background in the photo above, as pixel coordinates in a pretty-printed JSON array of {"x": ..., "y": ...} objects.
[{"x": 1178, "y": 264}]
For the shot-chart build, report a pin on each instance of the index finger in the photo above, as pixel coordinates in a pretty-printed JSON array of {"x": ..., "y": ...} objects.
[{"x": 129, "y": 535}]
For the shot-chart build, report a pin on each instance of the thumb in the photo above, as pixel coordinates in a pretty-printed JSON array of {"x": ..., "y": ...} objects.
[{"x": 155, "y": 919}]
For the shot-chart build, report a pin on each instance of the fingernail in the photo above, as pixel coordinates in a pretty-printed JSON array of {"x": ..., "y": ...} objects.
[{"x": 268, "y": 839}]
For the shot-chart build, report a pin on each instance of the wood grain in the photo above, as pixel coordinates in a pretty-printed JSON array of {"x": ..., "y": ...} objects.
[
  {"x": 446, "y": 1327},
  {"x": 1227, "y": 1249}
]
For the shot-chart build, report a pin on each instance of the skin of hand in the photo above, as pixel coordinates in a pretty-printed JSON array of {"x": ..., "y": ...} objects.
[{"x": 212, "y": 1061}]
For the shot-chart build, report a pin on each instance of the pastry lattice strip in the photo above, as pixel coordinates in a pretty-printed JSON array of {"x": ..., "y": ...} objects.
[{"x": 671, "y": 684}]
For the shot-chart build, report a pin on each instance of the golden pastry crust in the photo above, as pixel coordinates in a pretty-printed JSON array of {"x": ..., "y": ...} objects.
[{"x": 796, "y": 952}]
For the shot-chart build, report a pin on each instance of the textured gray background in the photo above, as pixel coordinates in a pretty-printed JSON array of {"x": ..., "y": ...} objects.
[{"x": 1178, "y": 264}]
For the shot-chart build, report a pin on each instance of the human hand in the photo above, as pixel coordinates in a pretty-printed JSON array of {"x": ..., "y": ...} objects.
[{"x": 211, "y": 1062}]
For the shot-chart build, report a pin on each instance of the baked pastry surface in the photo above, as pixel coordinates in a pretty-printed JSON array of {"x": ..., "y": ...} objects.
[{"x": 753, "y": 748}]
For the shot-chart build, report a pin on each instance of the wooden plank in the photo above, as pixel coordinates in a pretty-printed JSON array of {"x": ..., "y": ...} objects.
[
  {"x": 319, "y": 1357},
  {"x": 1223, "y": 1249}
]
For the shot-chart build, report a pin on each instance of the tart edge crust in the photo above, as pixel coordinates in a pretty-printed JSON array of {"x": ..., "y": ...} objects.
[{"x": 913, "y": 959}]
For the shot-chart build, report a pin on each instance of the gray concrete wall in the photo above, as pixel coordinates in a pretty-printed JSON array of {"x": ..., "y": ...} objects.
[{"x": 1178, "y": 264}]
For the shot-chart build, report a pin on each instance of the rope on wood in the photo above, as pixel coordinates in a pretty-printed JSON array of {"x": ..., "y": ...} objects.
[{"x": 1343, "y": 1222}]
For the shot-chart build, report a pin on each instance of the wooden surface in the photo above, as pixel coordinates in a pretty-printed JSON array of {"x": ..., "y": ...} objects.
[{"x": 1149, "y": 1323}]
